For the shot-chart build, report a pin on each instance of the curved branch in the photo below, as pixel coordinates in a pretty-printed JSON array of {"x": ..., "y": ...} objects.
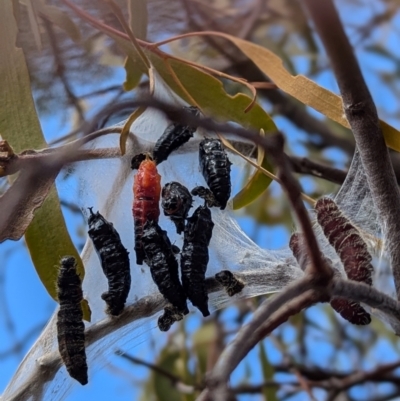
[
  {"x": 268, "y": 316},
  {"x": 361, "y": 113},
  {"x": 273, "y": 312},
  {"x": 48, "y": 365},
  {"x": 370, "y": 296}
]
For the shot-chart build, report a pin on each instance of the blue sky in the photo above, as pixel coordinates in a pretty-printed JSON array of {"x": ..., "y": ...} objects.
[{"x": 25, "y": 306}]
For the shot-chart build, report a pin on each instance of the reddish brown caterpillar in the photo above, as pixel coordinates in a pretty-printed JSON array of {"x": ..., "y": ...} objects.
[
  {"x": 114, "y": 261},
  {"x": 146, "y": 193},
  {"x": 349, "y": 310},
  {"x": 346, "y": 240},
  {"x": 70, "y": 327}
]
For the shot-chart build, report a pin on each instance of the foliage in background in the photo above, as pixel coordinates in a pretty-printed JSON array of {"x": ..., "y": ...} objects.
[{"x": 66, "y": 70}]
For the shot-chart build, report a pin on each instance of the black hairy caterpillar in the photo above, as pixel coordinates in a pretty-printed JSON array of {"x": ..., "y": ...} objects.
[
  {"x": 114, "y": 261},
  {"x": 346, "y": 240},
  {"x": 176, "y": 202},
  {"x": 205, "y": 194},
  {"x": 216, "y": 169},
  {"x": 174, "y": 136},
  {"x": 168, "y": 318},
  {"x": 194, "y": 257},
  {"x": 352, "y": 311},
  {"x": 146, "y": 199},
  {"x": 231, "y": 284},
  {"x": 163, "y": 265},
  {"x": 137, "y": 160},
  {"x": 70, "y": 327}
]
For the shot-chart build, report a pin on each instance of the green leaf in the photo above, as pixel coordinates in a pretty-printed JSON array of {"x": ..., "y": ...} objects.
[
  {"x": 47, "y": 237},
  {"x": 220, "y": 105},
  {"x": 268, "y": 374},
  {"x": 214, "y": 100},
  {"x": 138, "y": 18},
  {"x": 125, "y": 130},
  {"x": 202, "y": 339},
  {"x": 169, "y": 361},
  {"x": 133, "y": 74},
  {"x": 303, "y": 89},
  {"x": 257, "y": 183}
]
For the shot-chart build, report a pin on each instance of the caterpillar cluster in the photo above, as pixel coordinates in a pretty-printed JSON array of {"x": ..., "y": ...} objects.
[
  {"x": 352, "y": 251},
  {"x": 151, "y": 242},
  {"x": 152, "y": 245}
]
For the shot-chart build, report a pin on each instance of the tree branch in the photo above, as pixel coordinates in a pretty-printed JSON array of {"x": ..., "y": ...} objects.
[
  {"x": 303, "y": 165},
  {"x": 46, "y": 367},
  {"x": 361, "y": 113},
  {"x": 293, "y": 190},
  {"x": 361, "y": 292},
  {"x": 268, "y": 316}
]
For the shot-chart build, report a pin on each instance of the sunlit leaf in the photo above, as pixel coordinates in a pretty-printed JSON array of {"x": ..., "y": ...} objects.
[
  {"x": 257, "y": 183},
  {"x": 125, "y": 130},
  {"x": 47, "y": 237},
  {"x": 133, "y": 75},
  {"x": 303, "y": 89}
]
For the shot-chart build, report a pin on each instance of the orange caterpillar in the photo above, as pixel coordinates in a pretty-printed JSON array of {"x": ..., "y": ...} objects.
[{"x": 146, "y": 200}]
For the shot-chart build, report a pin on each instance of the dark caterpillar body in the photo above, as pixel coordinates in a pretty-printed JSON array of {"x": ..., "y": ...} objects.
[
  {"x": 205, "y": 194},
  {"x": 163, "y": 265},
  {"x": 70, "y": 327},
  {"x": 353, "y": 312},
  {"x": 146, "y": 193},
  {"x": 194, "y": 257},
  {"x": 216, "y": 169},
  {"x": 114, "y": 261},
  {"x": 174, "y": 137},
  {"x": 137, "y": 160},
  {"x": 231, "y": 283},
  {"x": 168, "y": 318},
  {"x": 176, "y": 202},
  {"x": 346, "y": 240}
]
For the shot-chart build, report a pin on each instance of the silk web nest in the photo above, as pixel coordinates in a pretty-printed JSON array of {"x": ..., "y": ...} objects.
[{"x": 106, "y": 185}]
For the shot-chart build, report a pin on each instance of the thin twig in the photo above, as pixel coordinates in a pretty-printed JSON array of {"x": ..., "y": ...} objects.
[
  {"x": 370, "y": 296},
  {"x": 293, "y": 190},
  {"x": 175, "y": 380},
  {"x": 303, "y": 165}
]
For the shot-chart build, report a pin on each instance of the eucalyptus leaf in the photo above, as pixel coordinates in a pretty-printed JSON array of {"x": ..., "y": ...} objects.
[{"x": 31, "y": 203}]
